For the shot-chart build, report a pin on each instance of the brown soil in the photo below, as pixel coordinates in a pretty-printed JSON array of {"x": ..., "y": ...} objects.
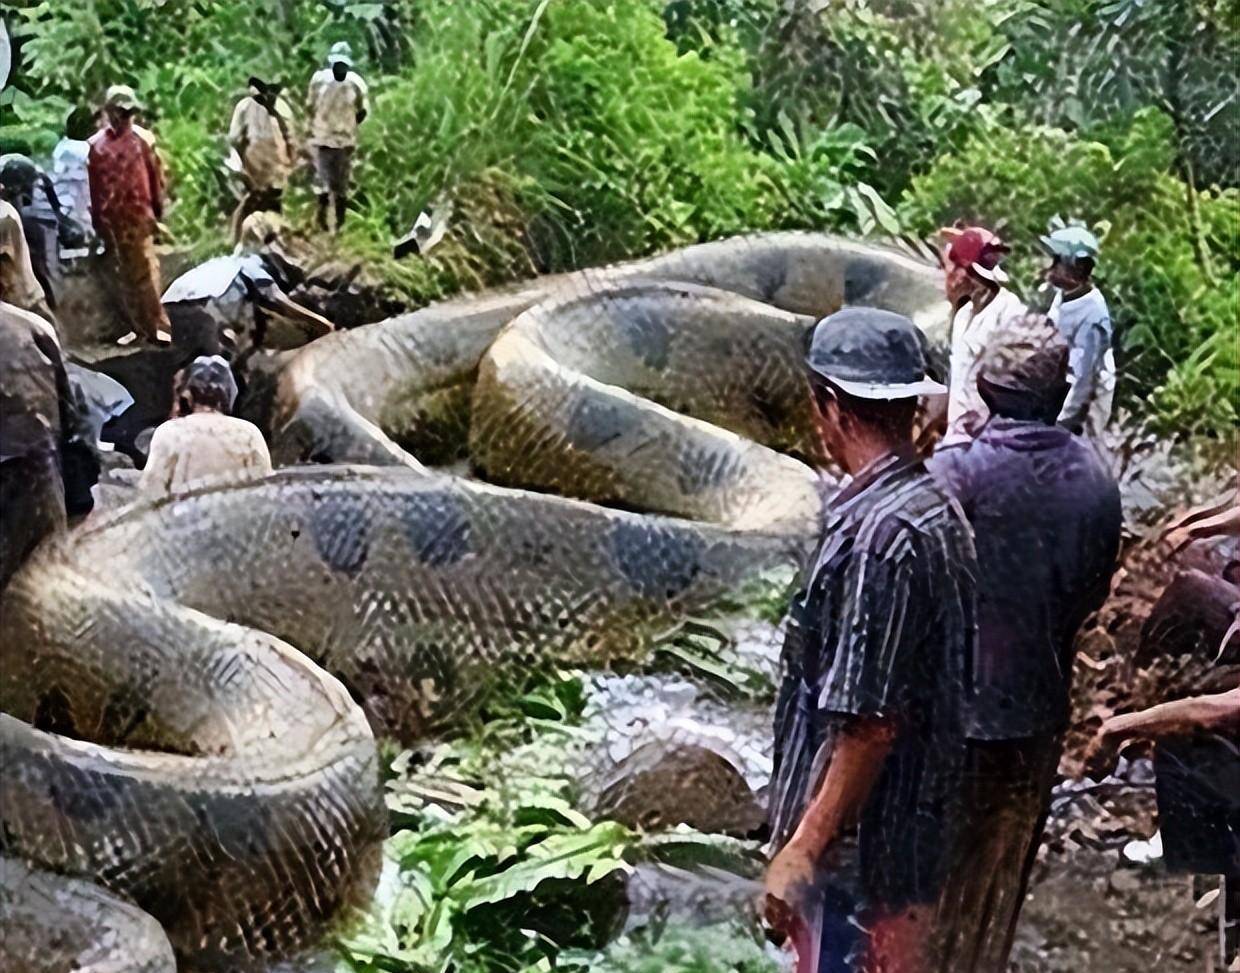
[{"x": 1088, "y": 910}]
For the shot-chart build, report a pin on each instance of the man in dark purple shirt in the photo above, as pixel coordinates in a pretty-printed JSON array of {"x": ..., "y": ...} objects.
[{"x": 1046, "y": 521}]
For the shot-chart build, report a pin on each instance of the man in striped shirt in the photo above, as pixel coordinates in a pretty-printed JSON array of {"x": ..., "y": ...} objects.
[{"x": 870, "y": 714}]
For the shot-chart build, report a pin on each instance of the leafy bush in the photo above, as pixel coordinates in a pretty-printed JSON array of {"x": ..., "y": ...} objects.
[
  {"x": 711, "y": 949},
  {"x": 496, "y": 869},
  {"x": 1166, "y": 303},
  {"x": 496, "y": 883},
  {"x": 639, "y": 145},
  {"x": 1085, "y": 63}
]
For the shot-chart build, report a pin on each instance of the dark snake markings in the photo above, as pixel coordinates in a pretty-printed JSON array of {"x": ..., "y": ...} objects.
[
  {"x": 341, "y": 537},
  {"x": 439, "y": 531},
  {"x": 656, "y": 562},
  {"x": 195, "y": 748}
]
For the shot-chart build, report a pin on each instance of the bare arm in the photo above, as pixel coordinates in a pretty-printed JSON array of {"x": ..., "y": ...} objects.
[
  {"x": 314, "y": 325},
  {"x": 1225, "y": 524},
  {"x": 49, "y": 190},
  {"x": 1220, "y": 711},
  {"x": 856, "y": 760},
  {"x": 1216, "y": 712}
]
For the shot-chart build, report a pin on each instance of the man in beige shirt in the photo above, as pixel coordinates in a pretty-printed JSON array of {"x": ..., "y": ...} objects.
[
  {"x": 338, "y": 106},
  {"x": 204, "y": 445},
  {"x": 260, "y": 136}
]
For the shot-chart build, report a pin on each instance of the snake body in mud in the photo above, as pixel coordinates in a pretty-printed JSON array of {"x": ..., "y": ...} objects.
[{"x": 192, "y": 685}]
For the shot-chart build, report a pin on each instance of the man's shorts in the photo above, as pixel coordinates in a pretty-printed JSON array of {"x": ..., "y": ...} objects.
[{"x": 331, "y": 170}]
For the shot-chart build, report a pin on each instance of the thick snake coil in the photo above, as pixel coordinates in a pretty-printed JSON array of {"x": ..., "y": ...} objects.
[{"x": 192, "y": 685}]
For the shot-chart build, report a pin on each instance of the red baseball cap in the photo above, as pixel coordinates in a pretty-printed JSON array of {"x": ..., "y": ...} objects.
[{"x": 978, "y": 249}]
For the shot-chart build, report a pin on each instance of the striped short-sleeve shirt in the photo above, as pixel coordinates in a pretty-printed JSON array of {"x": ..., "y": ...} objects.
[{"x": 884, "y": 626}]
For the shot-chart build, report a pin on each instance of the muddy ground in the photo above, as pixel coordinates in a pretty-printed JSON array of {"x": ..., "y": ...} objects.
[{"x": 1089, "y": 909}]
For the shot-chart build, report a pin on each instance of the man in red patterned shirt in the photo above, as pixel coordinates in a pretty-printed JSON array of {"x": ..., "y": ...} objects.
[{"x": 125, "y": 191}]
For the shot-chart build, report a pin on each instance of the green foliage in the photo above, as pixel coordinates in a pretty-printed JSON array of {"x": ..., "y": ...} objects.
[
  {"x": 904, "y": 74},
  {"x": 652, "y": 162},
  {"x": 493, "y": 857},
  {"x": 1168, "y": 303},
  {"x": 562, "y": 133},
  {"x": 498, "y": 871},
  {"x": 1085, "y": 63},
  {"x": 711, "y": 949}
]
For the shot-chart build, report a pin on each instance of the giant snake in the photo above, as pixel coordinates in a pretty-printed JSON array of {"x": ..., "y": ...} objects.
[{"x": 191, "y": 686}]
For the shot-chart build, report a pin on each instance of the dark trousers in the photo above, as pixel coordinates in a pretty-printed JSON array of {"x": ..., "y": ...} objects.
[{"x": 1006, "y": 793}]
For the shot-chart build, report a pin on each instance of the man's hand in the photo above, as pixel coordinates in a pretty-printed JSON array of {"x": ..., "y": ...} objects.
[
  {"x": 789, "y": 879},
  {"x": 1099, "y": 759}
]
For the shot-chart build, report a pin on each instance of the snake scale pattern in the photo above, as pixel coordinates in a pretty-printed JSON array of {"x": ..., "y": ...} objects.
[{"x": 191, "y": 687}]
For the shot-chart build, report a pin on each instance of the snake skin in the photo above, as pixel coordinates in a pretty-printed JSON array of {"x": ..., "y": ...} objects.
[{"x": 191, "y": 686}]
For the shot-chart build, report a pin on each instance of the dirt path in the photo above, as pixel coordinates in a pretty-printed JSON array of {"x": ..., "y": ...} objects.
[{"x": 1089, "y": 911}]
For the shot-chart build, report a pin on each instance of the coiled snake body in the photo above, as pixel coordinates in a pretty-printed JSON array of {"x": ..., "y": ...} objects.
[{"x": 191, "y": 686}]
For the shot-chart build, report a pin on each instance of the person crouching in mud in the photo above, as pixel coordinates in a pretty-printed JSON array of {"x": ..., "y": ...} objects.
[
  {"x": 236, "y": 304},
  {"x": 874, "y": 660}
]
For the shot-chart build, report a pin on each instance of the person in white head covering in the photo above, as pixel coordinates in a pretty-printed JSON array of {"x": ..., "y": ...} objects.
[
  {"x": 204, "y": 444},
  {"x": 338, "y": 106},
  {"x": 235, "y": 304}
]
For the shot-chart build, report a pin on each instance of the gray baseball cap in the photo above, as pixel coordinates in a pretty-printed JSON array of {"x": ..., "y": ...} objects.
[{"x": 872, "y": 354}]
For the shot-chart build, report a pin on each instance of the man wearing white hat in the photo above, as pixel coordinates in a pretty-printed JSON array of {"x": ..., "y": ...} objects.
[{"x": 338, "y": 105}]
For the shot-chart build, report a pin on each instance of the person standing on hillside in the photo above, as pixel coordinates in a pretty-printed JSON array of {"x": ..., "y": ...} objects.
[
  {"x": 1046, "y": 520},
  {"x": 1081, "y": 312},
  {"x": 259, "y": 134},
  {"x": 126, "y": 205},
  {"x": 338, "y": 106},
  {"x": 70, "y": 175},
  {"x": 980, "y": 304},
  {"x": 868, "y": 722}
]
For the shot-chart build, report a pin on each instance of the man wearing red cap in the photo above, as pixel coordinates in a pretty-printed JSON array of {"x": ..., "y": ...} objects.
[{"x": 980, "y": 305}]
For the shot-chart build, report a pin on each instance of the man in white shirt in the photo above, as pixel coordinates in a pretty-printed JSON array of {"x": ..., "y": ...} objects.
[
  {"x": 338, "y": 105},
  {"x": 259, "y": 135},
  {"x": 71, "y": 178},
  {"x": 980, "y": 305},
  {"x": 1081, "y": 312},
  {"x": 233, "y": 305}
]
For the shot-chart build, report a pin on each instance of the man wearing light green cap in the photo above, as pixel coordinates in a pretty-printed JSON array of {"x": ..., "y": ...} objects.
[
  {"x": 1080, "y": 311},
  {"x": 338, "y": 105}
]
